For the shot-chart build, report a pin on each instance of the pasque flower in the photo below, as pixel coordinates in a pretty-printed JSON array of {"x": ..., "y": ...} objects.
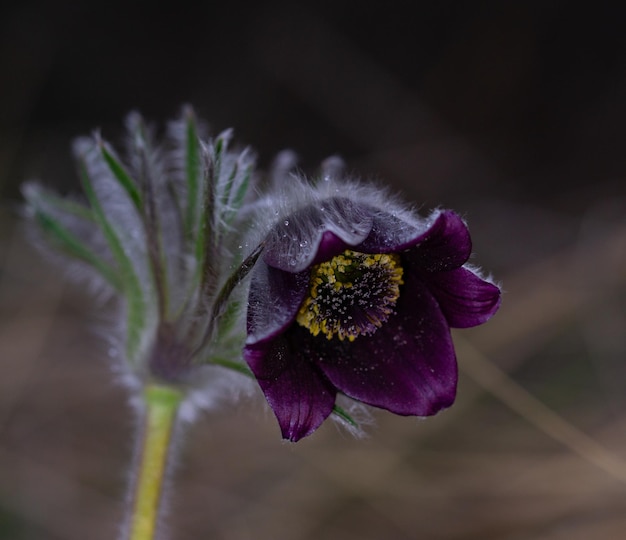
[
  {"x": 350, "y": 294},
  {"x": 356, "y": 295}
]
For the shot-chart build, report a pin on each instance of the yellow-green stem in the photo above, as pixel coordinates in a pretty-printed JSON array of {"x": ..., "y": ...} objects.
[{"x": 161, "y": 404}]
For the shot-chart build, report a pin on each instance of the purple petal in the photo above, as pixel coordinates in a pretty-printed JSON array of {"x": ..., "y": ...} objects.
[
  {"x": 315, "y": 231},
  {"x": 444, "y": 246},
  {"x": 328, "y": 246},
  {"x": 465, "y": 299},
  {"x": 273, "y": 302},
  {"x": 390, "y": 234},
  {"x": 441, "y": 242},
  {"x": 407, "y": 366},
  {"x": 298, "y": 393}
]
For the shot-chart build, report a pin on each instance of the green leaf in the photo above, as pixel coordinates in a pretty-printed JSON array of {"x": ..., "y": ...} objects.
[
  {"x": 239, "y": 196},
  {"x": 220, "y": 303},
  {"x": 243, "y": 188},
  {"x": 227, "y": 320},
  {"x": 136, "y": 306},
  {"x": 146, "y": 174},
  {"x": 125, "y": 180},
  {"x": 74, "y": 247},
  {"x": 192, "y": 174},
  {"x": 232, "y": 365},
  {"x": 206, "y": 249},
  {"x": 343, "y": 415},
  {"x": 225, "y": 199},
  {"x": 66, "y": 206}
]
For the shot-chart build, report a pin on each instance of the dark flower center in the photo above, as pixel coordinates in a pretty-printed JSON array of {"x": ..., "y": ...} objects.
[{"x": 353, "y": 294}]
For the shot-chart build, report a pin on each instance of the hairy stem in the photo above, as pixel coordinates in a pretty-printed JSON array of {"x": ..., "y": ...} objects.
[{"x": 162, "y": 405}]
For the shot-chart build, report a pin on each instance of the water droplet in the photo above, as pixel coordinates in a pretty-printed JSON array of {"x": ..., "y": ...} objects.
[{"x": 286, "y": 223}]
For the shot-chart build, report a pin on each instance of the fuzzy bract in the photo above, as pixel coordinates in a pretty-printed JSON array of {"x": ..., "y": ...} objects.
[
  {"x": 160, "y": 229},
  {"x": 354, "y": 295}
]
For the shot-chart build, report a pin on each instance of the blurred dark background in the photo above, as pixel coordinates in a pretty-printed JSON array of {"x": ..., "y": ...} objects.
[{"x": 512, "y": 113}]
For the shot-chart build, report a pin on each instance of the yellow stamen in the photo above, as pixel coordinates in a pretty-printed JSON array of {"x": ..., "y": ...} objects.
[{"x": 352, "y": 294}]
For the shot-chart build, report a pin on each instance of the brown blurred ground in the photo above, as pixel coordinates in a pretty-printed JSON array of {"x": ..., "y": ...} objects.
[{"x": 513, "y": 116}]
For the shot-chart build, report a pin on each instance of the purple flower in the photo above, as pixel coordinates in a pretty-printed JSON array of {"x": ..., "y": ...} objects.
[{"x": 355, "y": 296}]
